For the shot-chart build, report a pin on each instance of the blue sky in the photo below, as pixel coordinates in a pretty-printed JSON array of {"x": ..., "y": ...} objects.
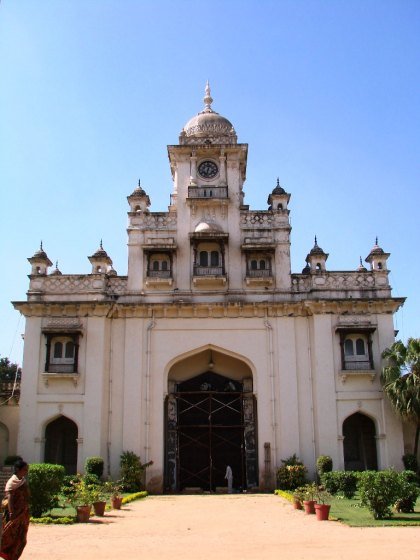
[{"x": 326, "y": 94}]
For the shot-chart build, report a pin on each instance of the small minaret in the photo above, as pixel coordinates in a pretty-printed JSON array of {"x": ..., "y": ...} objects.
[
  {"x": 279, "y": 198},
  {"x": 56, "y": 271},
  {"x": 138, "y": 200},
  {"x": 40, "y": 262},
  {"x": 316, "y": 258},
  {"x": 100, "y": 261},
  {"x": 361, "y": 268},
  {"x": 377, "y": 258}
]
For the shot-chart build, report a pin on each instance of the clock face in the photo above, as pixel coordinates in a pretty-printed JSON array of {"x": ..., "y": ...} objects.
[{"x": 208, "y": 169}]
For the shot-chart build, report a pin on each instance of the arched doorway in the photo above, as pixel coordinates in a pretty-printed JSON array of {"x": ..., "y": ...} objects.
[
  {"x": 211, "y": 423},
  {"x": 61, "y": 444},
  {"x": 359, "y": 443}
]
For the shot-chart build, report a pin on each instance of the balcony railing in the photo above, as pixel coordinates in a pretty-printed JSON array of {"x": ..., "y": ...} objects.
[
  {"x": 62, "y": 368},
  {"x": 159, "y": 274},
  {"x": 357, "y": 365},
  {"x": 261, "y": 273},
  {"x": 208, "y": 271},
  {"x": 207, "y": 192}
]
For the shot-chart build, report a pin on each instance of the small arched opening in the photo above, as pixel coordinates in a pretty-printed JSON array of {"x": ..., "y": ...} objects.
[
  {"x": 61, "y": 443},
  {"x": 359, "y": 443}
]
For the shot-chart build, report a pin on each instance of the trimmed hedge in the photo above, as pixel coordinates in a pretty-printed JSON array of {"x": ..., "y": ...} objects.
[
  {"x": 133, "y": 497},
  {"x": 94, "y": 465},
  {"x": 379, "y": 491},
  {"x": 45, "y": 482},
  {"x": 340, "y": 482},
  {"x": 324, "y": 464}
]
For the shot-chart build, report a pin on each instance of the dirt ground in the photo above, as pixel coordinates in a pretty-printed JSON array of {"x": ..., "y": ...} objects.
[{"x": 235, "y": 527}]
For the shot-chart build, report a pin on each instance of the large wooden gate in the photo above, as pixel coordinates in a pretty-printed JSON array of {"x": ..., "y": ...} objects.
[{"x": 210, "y": 423}]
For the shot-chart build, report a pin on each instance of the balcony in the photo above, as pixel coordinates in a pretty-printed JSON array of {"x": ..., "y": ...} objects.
[
  {"x": 208, "y": 192},
  {"x": 159, "y": 278},
  {"x": 357, "y": 368},
  {"x": 209, "y": 276},
  {"x": 259, "y": 277}
]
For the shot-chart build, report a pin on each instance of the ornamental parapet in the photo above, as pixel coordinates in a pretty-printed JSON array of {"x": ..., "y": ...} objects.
[
  {"x": 153, "y": 220},
  {"x": 74, "y": 285},
  {"x": 265, "y": 219},
  {"x": 339, "y": 284}
]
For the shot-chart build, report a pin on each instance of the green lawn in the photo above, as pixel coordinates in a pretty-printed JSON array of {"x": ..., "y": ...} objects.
[{"x": 352, "y": 513}]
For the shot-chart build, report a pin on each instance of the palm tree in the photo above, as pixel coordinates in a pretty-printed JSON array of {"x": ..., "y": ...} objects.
[{"x": 401, "y": 381}]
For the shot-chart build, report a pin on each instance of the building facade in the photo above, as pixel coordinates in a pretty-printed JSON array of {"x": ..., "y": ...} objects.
[{"x": 210, "y": 352}]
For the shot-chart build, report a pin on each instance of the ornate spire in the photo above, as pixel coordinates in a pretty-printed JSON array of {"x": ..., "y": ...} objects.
[
  {"x": 208, "y": 100},
  {"x": 316, "y": 242}
]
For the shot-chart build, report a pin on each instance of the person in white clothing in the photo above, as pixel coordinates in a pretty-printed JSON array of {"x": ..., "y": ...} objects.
[{"x": 229, "y": 478}]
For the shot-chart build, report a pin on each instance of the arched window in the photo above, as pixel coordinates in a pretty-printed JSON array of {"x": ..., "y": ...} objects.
[
  {"x": 58, "y": 350},
  {"x": 379, "y": 266},
  {"x": 69, "y": 353},
  {"x": 262, "y": 265},
  {"x": 164, "y": 265},
  {"x": 204, "y": 258},
  {"x": 214, "y": 258},
  {"x": 360, "y": 347},
  {"x": 155, "y": 265},
  {"x": 348, "y": 347},
  {"x": 254, "y": 265}
]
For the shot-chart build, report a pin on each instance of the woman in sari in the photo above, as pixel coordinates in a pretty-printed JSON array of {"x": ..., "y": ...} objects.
[{"x": 16, "y": 513}]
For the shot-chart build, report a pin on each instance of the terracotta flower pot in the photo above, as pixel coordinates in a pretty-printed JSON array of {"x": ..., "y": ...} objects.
[
  {"x": 83, "y": 513},
  {"x": 116, "y": 502},
  {"x": 322, "y": 511},
  {"x": 99, "y": 508},
  {"x": 309, "y": 506},
  {"x": 297, "y": 504}
]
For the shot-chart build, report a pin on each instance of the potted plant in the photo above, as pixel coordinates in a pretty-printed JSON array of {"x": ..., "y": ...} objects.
[
  {"x": 322, "y": 508},
  {"x": 98, "y": 500},
  {"x": 81, "y": 499},
  {"x": 114, "y": 488},
  {"x": 298, "y": 497},
  {"x": 310, "y": 491}
]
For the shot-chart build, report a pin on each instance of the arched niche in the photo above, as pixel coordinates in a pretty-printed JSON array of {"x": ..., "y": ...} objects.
[
  {"x": 61, "y": 443},
  {"x": 359, "y": 444}
]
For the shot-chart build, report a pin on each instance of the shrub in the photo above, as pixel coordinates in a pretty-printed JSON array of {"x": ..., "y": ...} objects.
[
  {"x": 379, "y": 491},
  {"x": 409, "y": 460},
  {"x": 132, "y": 471},
  {"x": 45, "y": 482},
  {"x": 94, "y": 465},
  {"x": 340, "y": 482},
  {"x": 324, "y": 464},
  {"x": 292, "y": 474},
  {"x": 408, "y": 493}
]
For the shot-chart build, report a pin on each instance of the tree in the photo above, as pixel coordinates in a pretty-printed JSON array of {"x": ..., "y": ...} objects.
[
  {"x": 8, "y": 370},
  {"x": 401, "y": 381}
]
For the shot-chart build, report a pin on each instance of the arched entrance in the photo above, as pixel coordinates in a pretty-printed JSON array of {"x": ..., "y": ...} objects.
[
  {"x": 210, "y": 423},
  {"x": 61, "y": 444},
  {"x": 359, "y": 443}
]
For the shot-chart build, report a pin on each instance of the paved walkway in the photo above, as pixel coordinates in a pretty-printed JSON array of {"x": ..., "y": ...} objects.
[{"x": 236, "y": 527}]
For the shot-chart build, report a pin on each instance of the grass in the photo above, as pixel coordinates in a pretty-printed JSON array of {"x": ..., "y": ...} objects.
[{"x": 352, "y": 513}]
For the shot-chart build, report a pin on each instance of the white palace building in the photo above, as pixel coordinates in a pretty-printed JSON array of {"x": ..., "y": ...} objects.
[{"x": 210, "y": 351}]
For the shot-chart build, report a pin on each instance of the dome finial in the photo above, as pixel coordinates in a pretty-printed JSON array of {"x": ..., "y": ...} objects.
[
  {"x": 278, "y": 182},
  {"x": 139, "y": 183},
  {"x": 40, "y": 247},
  {"x": 208, "y": 100},
  {"x": 376, "y": 240},
  {"x": 316, "y": 242},
  {"x": 100, "y": 244}
]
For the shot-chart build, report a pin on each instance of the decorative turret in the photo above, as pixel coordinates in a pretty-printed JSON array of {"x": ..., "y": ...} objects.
[
  {"x": 139, "y": 200},
  {"x": 279, "y": 198},
  {"x": 56, "y": 271},
  {"x": 101, "y": 263},
  {"x": 377, "y": 257},
  {"x": 40, "y": 262},
  {"x": 361, "y": 268},
  {"x": 316, "y": 258}
]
